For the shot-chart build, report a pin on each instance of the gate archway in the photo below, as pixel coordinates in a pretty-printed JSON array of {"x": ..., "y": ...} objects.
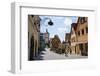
[{"x": 32, "y": 48}]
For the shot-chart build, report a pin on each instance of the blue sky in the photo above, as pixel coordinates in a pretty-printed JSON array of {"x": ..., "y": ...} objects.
[{"x": 62, "y": 25}]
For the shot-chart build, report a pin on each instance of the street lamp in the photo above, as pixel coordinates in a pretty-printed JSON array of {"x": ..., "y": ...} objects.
[{"x": 49, "y": 21}]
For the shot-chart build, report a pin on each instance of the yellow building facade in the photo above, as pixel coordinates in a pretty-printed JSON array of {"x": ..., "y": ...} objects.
[
  {"x": 73, "y": 38},
  {"x": 82, "y": 35},
  {"x": 79, "y": 37},
  {"x": 33, "y": 36}
]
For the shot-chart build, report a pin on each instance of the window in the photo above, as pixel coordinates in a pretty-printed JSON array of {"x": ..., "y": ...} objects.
[
  {"x": 83, "y": 20},
  {"x": 82, "y": 31},
  {"x": 81, "y": 47},
  {"x": 86, "y": 29},
  {"x": 78, "y": 33},
  {"x": 86, "y": 47}
]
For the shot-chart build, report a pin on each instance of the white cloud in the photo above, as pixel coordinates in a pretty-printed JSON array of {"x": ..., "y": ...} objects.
[
  {"x": 68, "y": 21},
  {"x": 51, "y": 35},
  {"x": 58, "y": 17},
  {"x": 61, "y": 30}
]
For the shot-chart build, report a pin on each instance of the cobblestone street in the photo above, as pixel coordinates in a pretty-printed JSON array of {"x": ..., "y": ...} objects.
[{"x": 50, "y": 55}]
